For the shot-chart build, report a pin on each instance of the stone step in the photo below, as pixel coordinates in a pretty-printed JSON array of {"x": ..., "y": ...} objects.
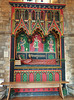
[
  {"x": 2, "y": 92},
  {"x": 71, "y": 89}
]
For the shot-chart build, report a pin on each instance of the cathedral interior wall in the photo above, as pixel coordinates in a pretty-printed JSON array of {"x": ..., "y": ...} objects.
[{"x": 5, "y": 39}]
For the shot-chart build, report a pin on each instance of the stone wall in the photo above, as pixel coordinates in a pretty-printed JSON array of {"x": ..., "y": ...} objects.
[
  {"x": 5, "y": 31},
  {"x": 5, "y": 56},
  {"x": 69, "y": 39}
]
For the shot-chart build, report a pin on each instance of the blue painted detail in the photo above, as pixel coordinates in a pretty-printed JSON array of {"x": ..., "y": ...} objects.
[
  {"x": 12, "y": 47},
  {"x": 63, "y": 71},
  {"x": 28, "y": 89},
  {"x": 23, "y": 89},
  {"x": 62, "y": 46},
  {"x": 37, "y": 65},
  {"x": 35, "y": 94},
  {"x": 47, "y": 76},
  {"x": 18, "y": 89},
  {"x": 53, "y": 88},
  {"x": 33, "y": 89},
  {"x": 38, "y": 89},
  {"x": 12, "y": 71},
  {"x": 40, "y": 5},
  {"x": 48, "y": 88},
  {"x": 43, "y": 89},
  {"x": 36, "y": 55}
]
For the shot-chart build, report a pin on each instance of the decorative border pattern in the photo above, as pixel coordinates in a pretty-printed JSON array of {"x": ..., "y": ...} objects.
[{"x": 37, "y": 5}]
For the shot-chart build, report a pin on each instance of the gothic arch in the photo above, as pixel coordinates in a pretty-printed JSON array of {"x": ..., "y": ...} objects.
[
  {"x": 56, "y": 34},
  {"x": 21, "y": 30},
  {"x": 18, "y": 77},
  {"x": 21, "y": 37},
  {"x": 25, "y": 77},
  {"x": 40, "y": 32}
]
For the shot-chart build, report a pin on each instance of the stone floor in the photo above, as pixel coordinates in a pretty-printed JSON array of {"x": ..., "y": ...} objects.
[{"x": 43, "y": 98}]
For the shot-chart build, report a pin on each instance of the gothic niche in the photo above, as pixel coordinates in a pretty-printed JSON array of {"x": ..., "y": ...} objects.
[
  {"x": 37, "y": 41},
  {"x": 56, "y": 43},
  {"x": 38, "y": 44}
]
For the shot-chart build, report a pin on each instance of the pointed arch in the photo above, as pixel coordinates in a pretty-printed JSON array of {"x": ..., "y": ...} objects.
[
  {"x": 50, "y": 45},
  {"x": 17, "y": 14},
  {"x": 50, "y": 77},
  {"x": 55, "y": 27},
  {"x": 33, "y": 15},
  {"x": 21, "y": 30},
  {"x": 38, "y": 77},
  {"x": 42, "y": 15},
  {"x": 22, "y": 40},
  {"x": 49, "y": 15},
  {"x": 54, "y": 32},
  {"x": 31, "y": 77},
  {"x": 57, "y": 15},
  {"x": 56, "y": 76},
  {"x": 37, "y": 41},
  {"x": 44, "y": 77},
  {"x": 38, "y": 31},
  {"x": 25, "y": 77},
  {"x": 26, "y": 15},
  {"x": 20, "y": 25},
  {"x": 18, "y": 77}
]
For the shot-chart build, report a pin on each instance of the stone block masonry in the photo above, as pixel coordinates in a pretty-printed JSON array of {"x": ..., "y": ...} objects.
[
  {"x": 4, "y": 61},
  {"x": 69, "y": 39}
]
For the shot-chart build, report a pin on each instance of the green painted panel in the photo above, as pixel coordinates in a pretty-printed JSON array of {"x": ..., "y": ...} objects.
[
  {"x": 22, "y": 44},
  {"x": 49, "y": 46},
  {"x": 37, "y": 77},
  {"x": 51, "y": 56},
  {"x": 50, "y": 77},
  {"x": 24, "y": 77},
  {"x": 22, "y": 56},
  {"x": 64, "y": 91}
]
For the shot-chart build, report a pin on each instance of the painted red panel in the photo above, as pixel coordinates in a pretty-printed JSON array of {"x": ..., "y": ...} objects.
[
  {"x": 31, "y": 77},
  {"x": 39, "y": 45},
  {"x": 36, "y": 90},
  {"x": 56, "y": 76},
  {"x": 44, "y": 77},
  {"x": 40, "y": 61},
  {"x": 18, "y": 77}
]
